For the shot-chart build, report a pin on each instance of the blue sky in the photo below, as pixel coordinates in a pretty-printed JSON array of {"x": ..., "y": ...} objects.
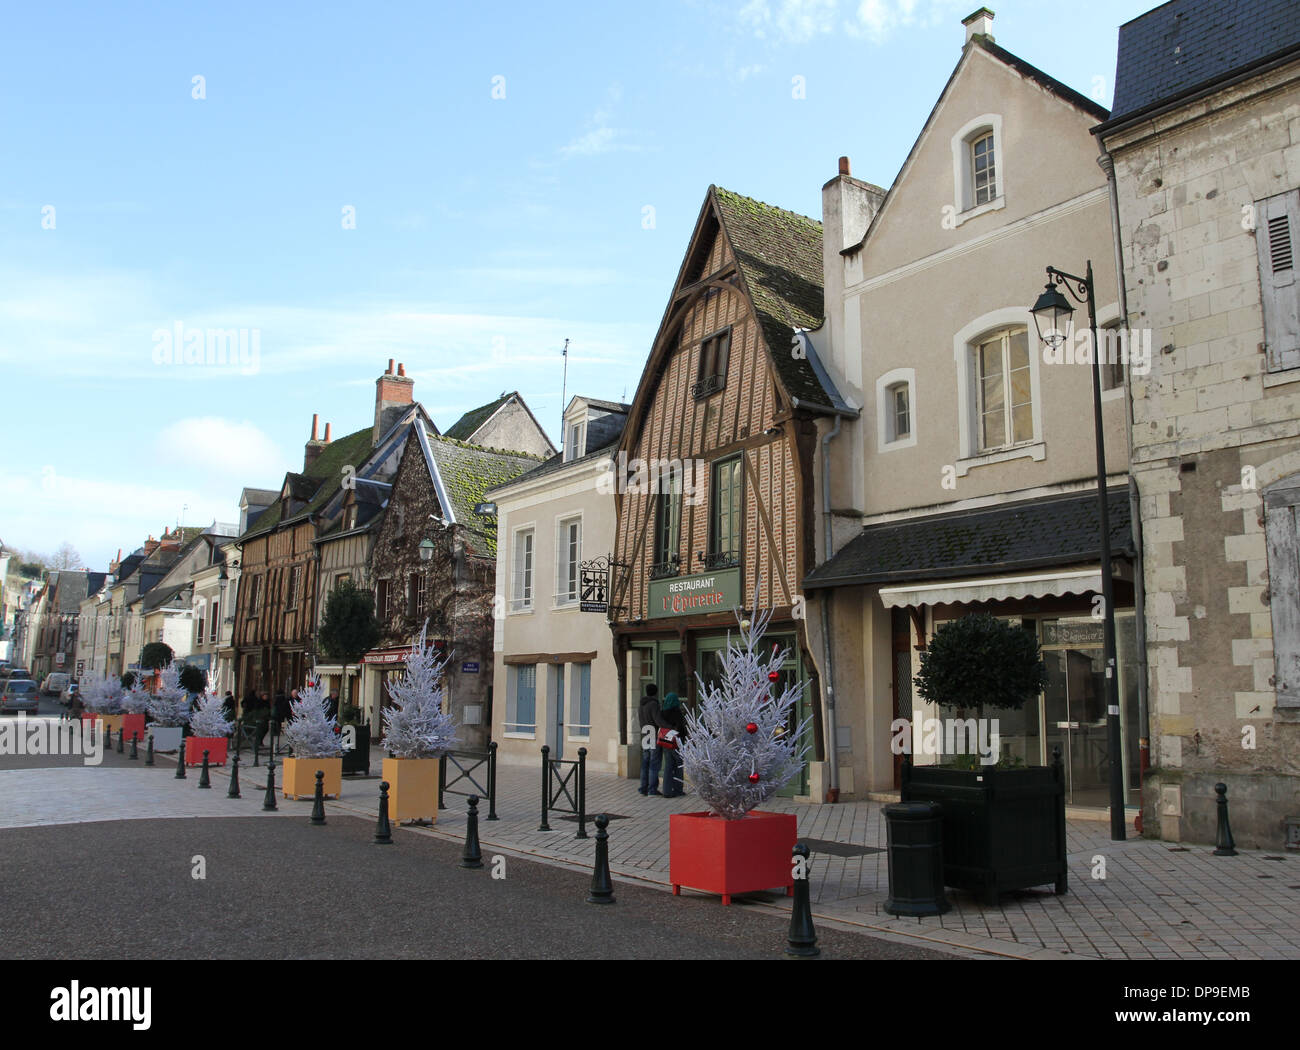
[{"x": 487, "y": 229}]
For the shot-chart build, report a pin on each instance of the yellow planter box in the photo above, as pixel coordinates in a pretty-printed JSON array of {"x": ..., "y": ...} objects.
[
  {"x": 111, "y": 724},
  {"x": 412, "y": 789},
  {"x": 298, "y": 777}
]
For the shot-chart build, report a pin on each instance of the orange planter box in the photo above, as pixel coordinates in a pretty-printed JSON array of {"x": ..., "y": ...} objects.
[
  {"x": 111, "y": 724},
  {"x": 731, "y": 856},
  {"x": 298, "y": 777},
  {"x": 216, "y": 748},
  {"x": 412, "y": 789}
]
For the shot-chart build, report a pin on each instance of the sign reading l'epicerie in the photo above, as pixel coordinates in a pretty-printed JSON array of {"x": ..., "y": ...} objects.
[{"x": 712, "y": 592}]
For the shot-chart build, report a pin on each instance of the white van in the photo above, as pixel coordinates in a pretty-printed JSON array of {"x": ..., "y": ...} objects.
[{"x": 54, "y": 683}]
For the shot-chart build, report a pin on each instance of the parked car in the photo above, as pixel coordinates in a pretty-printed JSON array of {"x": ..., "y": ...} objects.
[
  {"x": 69, "y": 691},
  {"x": 54, "y": 683},
  {"x": 20, "y": 694},
  {"x": 14, "y": 671}
]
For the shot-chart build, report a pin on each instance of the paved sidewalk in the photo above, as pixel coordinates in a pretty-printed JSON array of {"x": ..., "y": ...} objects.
[{"x": 1158, "y": 900}]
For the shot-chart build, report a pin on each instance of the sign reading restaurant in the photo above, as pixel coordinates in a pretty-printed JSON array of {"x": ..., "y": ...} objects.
[{"x": 694, "y": 595}]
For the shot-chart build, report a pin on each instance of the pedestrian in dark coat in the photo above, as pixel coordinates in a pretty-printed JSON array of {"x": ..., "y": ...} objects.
[
  {"x": 674, "y": 717},
  {"x": 651, "y": 755}
]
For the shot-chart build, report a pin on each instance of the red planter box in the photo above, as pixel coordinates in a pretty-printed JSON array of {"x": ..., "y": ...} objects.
[
  {"x": 132, "y": 724},
  {"x": 732, "y": 856},
  {"x": 214, "y": 745}
]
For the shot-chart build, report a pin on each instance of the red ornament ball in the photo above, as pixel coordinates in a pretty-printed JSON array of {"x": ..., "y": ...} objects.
[
  {"x": 753, "y": 778},
  {"x": 751, "y": 728},
  {"x": 772, "y": 676}
]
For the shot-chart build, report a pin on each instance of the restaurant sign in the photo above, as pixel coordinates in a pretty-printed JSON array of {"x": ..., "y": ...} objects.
[{"x": 712, "y": 592}]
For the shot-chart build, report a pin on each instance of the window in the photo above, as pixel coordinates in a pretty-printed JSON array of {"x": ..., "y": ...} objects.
[
  {"x": 414, "y": 595},
  {"x": 1003, "y": 390},
  {"x": 291, "y": 596},
  {"x": 381, "y": 599},
  {"x": 1111, "y": 352},
  {"x": 668, "y": 524},
  {"x": 521, "y": 711},
  {"x": 1277, "y": 224},
  {"x": 216, "y": 619},
  {"x": 202, "y": 609},
  {"x": 900, "y": 412},
  {"x": 523, "y": 588},
  {"x": 984, "y": 184},
  {"x": 254, "y": 595},
  {"x": 568, "y": 560},
  {"x": 714, "y": 354},
  {"x": 573, "y": 446},
  {"x": 341, "y": 579},
  {"x": 1281, "y": 501},
  {"x": 725, "y": 515},
  {"x": 580, "y": 705}
]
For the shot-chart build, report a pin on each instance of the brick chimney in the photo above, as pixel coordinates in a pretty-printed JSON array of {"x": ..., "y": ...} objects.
[
  {"x": 150, "y": 545},
  {"x": 393, "y": 393},
  {"x": 979, "y": 23},
  {"x": 314, "y": 445}
]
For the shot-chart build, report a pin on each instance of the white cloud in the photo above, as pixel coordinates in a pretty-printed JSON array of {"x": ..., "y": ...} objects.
[
  {"x": 219, "y": 450},
  {"x": 599, "y": 135},
  {"x": 791, "y": 21},
  {"x": 799, "y": 21}
]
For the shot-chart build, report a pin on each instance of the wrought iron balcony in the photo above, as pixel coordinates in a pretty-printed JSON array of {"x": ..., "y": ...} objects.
[
  {"x": 666, "y": 569},
  {"x": 721, "y": 560},
  {"x": 705, "y": 387}
]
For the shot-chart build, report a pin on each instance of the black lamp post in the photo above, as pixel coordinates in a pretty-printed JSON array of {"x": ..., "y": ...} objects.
[{"x": 1052, "y": 314}]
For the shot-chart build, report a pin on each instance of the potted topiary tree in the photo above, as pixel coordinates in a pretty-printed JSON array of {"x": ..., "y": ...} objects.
[
  {"x": 135, "y": 703},
  {"x": 417, "y": 733},
  {"x": 1003, "y": 828},
  {"x": 739, "y": 750},
  {"x": 103, "y": 700},
  {"x": 169, "y": 711},
  {"x": 313, "y": 737},
  {"x": 209, "y": 730}
]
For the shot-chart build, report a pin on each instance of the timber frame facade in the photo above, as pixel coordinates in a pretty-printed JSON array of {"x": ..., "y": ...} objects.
[{"x": 728, "y": 401}]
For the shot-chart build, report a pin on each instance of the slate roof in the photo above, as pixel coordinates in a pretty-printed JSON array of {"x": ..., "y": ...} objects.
[
  {"x": 160, "y": 596},
  {"x": 779, "y": 254},
  {"x": 327, "y": 472},
  {"x": 1044, "y": 533},
  {"x": 463, "y": 429},
  {"x": 1186, "y": 45}
]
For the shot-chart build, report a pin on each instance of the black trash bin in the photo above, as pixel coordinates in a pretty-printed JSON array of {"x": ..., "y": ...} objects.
[{"x": 915, "y": 837}]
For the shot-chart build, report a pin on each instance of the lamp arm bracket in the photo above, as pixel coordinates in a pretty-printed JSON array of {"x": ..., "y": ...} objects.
[{"x": 1079, "y": 287}]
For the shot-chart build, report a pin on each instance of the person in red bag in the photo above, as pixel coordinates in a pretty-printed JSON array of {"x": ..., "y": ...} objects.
[
  {"x": 651, "y": 755},
  {"x": 674, "y": 717}
]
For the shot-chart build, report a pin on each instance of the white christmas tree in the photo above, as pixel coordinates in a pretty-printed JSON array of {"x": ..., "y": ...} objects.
[
  {"x": 416, "y": 726},
  {"x": 103, "y": 695},
  {"x": 311, "y": 732},
  {"x": 170, "y": 705},
  {"x": 209, "y": 718},
  {"x": 137, "y": 699},
  {"x": 740, "y": 747}
]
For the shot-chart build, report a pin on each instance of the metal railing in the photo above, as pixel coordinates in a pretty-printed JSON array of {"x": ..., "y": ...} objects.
[
  {"x": 565, "y": 780},
  {"x": 464, "y": 768}
]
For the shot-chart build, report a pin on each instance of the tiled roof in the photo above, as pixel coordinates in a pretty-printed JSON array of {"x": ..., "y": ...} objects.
[
  {"x": 463, "y": 429},
  {"x": 1056, "y": 531},
  {"x": 779, "y": 254},
  {"x": 1187, "y": 44},
  {"x": 467, "y": 472},
  {"x": 327, "y": 472}
]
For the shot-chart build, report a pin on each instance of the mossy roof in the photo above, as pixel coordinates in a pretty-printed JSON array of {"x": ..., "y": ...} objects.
[
  {"x": 326, "y": 472},
  {"x": 463, "y": 429},
  {"x": 467, "y": 472}
]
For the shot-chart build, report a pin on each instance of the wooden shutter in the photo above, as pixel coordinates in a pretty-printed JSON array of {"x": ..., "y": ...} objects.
[
  {"x": 1277, "y": 240},
  {"x": 1284, "y": 589}
]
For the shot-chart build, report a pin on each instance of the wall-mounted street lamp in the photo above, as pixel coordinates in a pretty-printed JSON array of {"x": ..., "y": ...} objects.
[
  {"x": 1052, "y": 317},
  {"x": 426, "y": 549}
]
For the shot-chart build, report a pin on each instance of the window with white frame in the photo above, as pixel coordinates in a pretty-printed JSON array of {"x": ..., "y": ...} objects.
[
  {"x": 978, "y": 167},
  {"x": 1277, "y": 229},
  {"x": 573, "y": 443},
  {"x": 580, "y": 704},
  {"x": 899, "y": 423},
  {"x": 984, "y": 171},
  {"x": 521, "y": 707},
  {"x": 522, "y": 592},
  {"x": 202, "y": 610},
  {"x": 1004, "y": 402},
  {"x": 568, "y": 560},
  {"x": 896, "y": 409},
  {"x": 291, "y": 597},
  {"x": 216, "y": 619}
]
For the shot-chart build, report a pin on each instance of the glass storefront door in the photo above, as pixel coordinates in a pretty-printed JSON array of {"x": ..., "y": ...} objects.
[{"x": 1074, "y": 709}]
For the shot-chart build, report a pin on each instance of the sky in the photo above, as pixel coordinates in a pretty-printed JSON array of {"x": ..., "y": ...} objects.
[{"x": 459, "y": 187}]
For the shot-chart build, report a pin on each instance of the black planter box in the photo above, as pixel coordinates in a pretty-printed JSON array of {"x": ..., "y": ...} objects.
[
  {"x": 358, "y": 759},
  {"x": 1003, "y": 829}
]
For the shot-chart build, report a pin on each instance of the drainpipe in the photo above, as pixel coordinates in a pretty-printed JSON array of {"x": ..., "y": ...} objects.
[
  {"x": 1107, "y": 164},
  {"x": 833, "y": 792}
]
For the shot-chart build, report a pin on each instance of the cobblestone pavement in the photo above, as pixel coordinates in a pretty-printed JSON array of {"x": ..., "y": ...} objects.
[{"x": 1158, "y": 900}]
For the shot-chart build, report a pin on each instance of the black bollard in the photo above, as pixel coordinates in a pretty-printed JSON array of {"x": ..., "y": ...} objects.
[
  {"x": 383, "y": 833},
  {"x": 472, "y": 857},
  {"x": 121, "y": 740},
  {"x": 546, "y": 786},
  {"x": 257, "y": 746},
  {"x": 135, "y": 747},
  {"x": 1223, "y": 842},
  {"x": 180, "y": 761},
  {"x": 492, "y": 781},
  {"x": 802, "y": 938},
  {"x": 582, "y": 794},
  {"x": 268, "y": 803},
  {"x": 602, "y": 889},
  {"x": 204, "y": 780},
  {"x": 234, "y": 777},
  {"x": 318, "y": 804},
  {"x": 148, "y": 752}
]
